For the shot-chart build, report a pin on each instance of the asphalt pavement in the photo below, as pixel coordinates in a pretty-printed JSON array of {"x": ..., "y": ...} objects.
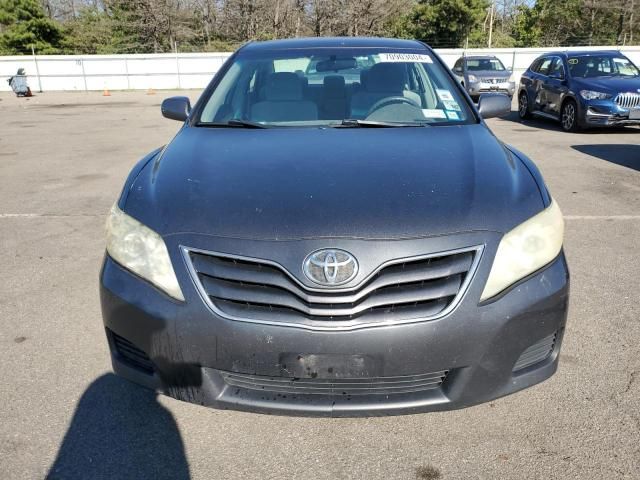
[{"x": 63, "y": 160}]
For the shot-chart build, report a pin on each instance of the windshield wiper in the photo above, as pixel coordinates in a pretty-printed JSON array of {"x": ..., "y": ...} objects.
[
  {"x": 355, "y": 123},
  {"x": 233, "y": 123},
  {"x": 236, "y": 122}
]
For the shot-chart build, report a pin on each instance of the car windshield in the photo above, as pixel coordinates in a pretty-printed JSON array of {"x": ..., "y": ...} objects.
[
  {"x": 602, "y": 66},
  {"x": 335, "y": 87},
  {"x": 484, "y": 64}
]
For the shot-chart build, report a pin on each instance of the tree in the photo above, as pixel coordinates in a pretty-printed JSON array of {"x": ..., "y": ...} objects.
[
  {"x": 23, "y": 24},
  {"x": 446, "y": 23}
]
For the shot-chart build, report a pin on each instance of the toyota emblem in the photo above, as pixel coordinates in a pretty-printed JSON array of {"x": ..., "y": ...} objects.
[{"x": 330, "y": 267}]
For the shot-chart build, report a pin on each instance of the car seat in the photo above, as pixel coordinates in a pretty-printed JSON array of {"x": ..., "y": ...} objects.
[
  {"x": 283, "y": 101},
  {"x": 383, "y": 80}
]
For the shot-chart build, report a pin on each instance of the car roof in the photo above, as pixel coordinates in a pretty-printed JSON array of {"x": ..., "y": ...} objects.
[
  {"x": 480, "y": 57},
  {"x": 335, "y": 42},
  {"x": 581, "y": 53}
]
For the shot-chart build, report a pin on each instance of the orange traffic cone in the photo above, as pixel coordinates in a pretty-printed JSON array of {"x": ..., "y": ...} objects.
[{"x": 106, "y": 92}]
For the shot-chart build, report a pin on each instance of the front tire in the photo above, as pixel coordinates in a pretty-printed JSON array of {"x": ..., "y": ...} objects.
[
  {"x": 523, "y": 106},
  {"x": 569, "y": 116}
]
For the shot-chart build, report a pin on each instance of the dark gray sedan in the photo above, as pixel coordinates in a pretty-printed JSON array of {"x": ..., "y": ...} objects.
[
  {"x": 345, "y": 245},
  {"x": 482, "y": 74}
]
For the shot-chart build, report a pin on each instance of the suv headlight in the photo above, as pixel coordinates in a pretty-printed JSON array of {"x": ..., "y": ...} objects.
[
  {"x": 593, "y": 95},
  {"x": 141, "y": 250},
  {"x": 525, "y": 249},
  {"x": 472, "y": 78}
]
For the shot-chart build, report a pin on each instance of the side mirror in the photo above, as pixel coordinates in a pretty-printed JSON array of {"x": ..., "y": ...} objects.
[
  {"x": 458, "y": 70},
  {"x": 176, "y": 108},
  {"x": 494, "y": 105}
]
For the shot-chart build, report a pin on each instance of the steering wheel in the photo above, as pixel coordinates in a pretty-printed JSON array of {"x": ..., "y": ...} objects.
[{"x": 390, "y": 101}]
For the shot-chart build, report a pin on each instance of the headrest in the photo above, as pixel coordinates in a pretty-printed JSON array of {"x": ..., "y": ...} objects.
[
  {"x": 283, "y": 86},
  {"x": 334, "y": 86},
  {"x": 386, "y": 77}
]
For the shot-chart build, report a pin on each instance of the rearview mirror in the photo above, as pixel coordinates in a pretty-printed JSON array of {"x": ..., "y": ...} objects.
[
  {"x": 494, "y": 105},
  {"x": 176, "y": 108},
  {"x": 336, "y": 64}
]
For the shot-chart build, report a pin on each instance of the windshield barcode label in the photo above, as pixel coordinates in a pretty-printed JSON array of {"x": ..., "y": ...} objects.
[{"x": 405, "y": 57}]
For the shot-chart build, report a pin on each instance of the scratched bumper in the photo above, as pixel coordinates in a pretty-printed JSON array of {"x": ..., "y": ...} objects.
[
  {"x": 199, "y": 357},
  {"x": 606, "y": 113}
]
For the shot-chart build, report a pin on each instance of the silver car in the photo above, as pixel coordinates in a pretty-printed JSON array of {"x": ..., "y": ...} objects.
[{"x": 482, "y": 74}]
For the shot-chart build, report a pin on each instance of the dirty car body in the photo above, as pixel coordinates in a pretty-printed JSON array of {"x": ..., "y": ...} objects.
[{"x": 317, "y": 244}]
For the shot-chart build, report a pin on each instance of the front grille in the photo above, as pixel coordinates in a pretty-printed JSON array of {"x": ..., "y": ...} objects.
[
  {"x": 337, "y": 386},
  {"x": 492, "y": 80},
  {"x": 536, "y": 353},
  {"x": 407, "y": 289},
  {"x": 628, "y": 100},
  {"x": 131, "y": 354}
]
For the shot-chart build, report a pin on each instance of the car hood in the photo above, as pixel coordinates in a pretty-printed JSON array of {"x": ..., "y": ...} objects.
[
  {"x": 293, "y": 183},
  {"x": 491, "y": 74},
  {"x": 608, "y": 84}
]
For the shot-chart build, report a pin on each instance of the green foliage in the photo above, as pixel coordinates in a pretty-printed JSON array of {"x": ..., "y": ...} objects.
[
  {"x": 446, "y": 23},
  {"x": 144, "y": 26},
  {"x": 23, "y": 24},
  {"x": 526, "y": 31},
  {"x": 480, "y": 39},
  {"x": 91, "y": 32}
]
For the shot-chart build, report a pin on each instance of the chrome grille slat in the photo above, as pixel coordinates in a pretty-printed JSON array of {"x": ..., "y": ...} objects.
[
  {"x": 287, "y": 315},
  {"x": 402, "y": 290},
  {"x": 628, "y": 100},
  {"x": 337, "y": 386},
  {"x": 266, "y": 295},
  {"x": 232, "y": 270}
]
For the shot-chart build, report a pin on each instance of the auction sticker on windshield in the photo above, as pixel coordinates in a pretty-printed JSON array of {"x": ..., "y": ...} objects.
[
  {"x": 444, "y": 94},
  {"x": 433, "y": 113},
  {"x": 404, "y": 57},
  {"x": 451, "y": 105}
]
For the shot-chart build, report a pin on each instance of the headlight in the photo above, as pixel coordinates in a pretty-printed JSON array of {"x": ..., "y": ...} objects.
[
  {"x": 472, "y": 78},
  {"x": 593, "y": 95},
  {"x": 141, "y": 250},
  {"x": 525, "y": 249}
]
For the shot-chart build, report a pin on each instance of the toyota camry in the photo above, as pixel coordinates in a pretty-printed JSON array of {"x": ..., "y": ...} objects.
[{"x": 335, "y": 231}]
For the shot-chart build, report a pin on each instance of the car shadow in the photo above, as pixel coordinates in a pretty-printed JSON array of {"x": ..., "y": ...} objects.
[
  {"x": 626, "y": 155},
  {"x": 539, "y": 123},
  {"x": 118, "y": 431}
]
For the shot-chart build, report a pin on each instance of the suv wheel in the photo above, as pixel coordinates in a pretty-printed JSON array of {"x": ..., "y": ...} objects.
[
  {"x": 569, "y": 116},
  {"x": 523, "y": 106}
]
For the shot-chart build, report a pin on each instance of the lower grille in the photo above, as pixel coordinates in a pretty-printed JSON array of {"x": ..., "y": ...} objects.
[
  {"x": 337, "y": 386},
  {"x": 536, "y": 353},
  {"x": 252, "y": 289},
  {"x": 628, "y": 100},
  {"x": 131, "y": 354}
]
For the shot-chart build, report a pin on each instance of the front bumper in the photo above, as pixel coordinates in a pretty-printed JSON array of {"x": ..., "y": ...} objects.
[
  {"x": 477, "y": 88},
  {"x": 466, "y": 357},
  {"x": 606, "y": 113}
]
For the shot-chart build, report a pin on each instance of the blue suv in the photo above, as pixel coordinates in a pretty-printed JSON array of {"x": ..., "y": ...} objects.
[{"x": 581, "y": 89}]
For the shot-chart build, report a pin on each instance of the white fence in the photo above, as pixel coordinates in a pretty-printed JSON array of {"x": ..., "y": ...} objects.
[{"x": 194, "y": 70}]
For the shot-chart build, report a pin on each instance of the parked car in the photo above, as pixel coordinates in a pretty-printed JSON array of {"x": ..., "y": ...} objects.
[
  {"x": 484, "y": 73},
  {"x": 582, "y": 89},
  {"x": 351, "y": 246}
]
